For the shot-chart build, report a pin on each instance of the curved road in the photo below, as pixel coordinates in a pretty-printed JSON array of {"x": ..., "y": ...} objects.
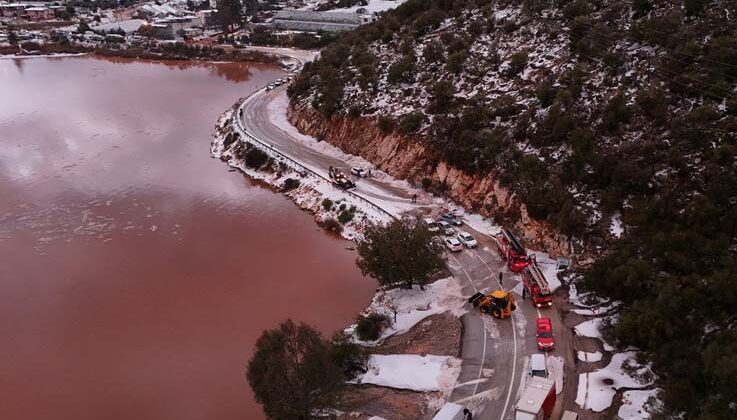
[{"x": 494, "y": 352}]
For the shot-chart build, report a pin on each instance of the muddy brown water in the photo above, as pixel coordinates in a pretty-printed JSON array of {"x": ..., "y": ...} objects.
[{"x": 136, "y": 272}]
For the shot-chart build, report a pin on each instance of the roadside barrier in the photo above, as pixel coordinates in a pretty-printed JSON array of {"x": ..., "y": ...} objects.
[{"x": 302, "y": 169}]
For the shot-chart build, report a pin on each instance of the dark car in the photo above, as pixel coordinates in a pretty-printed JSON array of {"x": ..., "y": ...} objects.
[{"x": 451, "y": 218}]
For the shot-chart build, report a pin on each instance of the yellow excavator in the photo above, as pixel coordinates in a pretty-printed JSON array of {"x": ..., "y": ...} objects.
[{"x": 498, "y": 303}]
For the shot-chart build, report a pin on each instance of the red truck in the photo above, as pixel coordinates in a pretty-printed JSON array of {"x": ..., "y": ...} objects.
[
  {"x": 536, "y": 286},
  {"x": 512, "y": 251},
  {"x": 537, "y": 400}
]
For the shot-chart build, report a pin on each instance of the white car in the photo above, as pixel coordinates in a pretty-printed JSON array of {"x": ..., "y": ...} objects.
[
  {"x": 453, "y": 245},
  {"x": 446, "y": 228},
  {"x": 467, "y": 239},
  {"x": 270, "y": 87},
  {"x": 362, "y": 172},
  {"x": 432, "y": 225},
  {"x": 537, "y": 366}
]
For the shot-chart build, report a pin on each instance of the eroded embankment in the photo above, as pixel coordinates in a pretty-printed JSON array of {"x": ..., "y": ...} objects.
[{"x": 406, "y": 157}]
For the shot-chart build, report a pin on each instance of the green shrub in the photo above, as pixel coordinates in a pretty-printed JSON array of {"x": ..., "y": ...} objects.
[
  {"x": 327, "y": 204},
  {"x": 386, "y": 124},
  {"x": 402, "y": 71},
  {"x": 345, "y": 216},
  {"x": 255, "y": 158},
  {"x": 456, "y": 61},
  {"x": 411, "y": 122},
  {"x": 369, "y": 327},
  {"x": 426, "y": 183},
  {"x": 290, "y": 184},
  {"x": 331, "y": 225},
  {"x": 517, "y": 63}
]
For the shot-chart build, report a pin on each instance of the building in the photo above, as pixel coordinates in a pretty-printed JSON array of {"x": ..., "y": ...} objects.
[
  {"x": 176, "y": 25},
  {"x": 13, "y": 10},
  {"x": 128, "y": 26},
  {"x": 305, "y": 20}
]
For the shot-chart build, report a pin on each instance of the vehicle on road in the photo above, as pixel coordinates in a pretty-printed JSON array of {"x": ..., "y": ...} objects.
[
  {"x": 498, "y": 303},
  {"x": 536, "y": 286},
  {"x": 452, "y": 411},
  {"x": 538, "y": 366},
  {"x": 270, "y": 86},
  {"x": 537, "y": 400},
  {"x": 446, "y": 228},
  {"x": 467, "y": 240},
  {"x": 451, "y": 218},
  {"x": 339, "y": 179},
  {"x": 544, "y": 334},
  {"x": 361, "y": 172},
  {"x": 453, "y": 245},
  {"x": 512, "y": 251},
  {"x": 431, "y": 225}
]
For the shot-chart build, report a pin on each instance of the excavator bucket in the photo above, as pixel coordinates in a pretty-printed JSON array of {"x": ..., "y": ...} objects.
[{"x": 476, "y": 299}]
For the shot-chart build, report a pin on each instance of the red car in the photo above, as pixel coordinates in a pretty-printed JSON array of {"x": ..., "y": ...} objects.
[{"x": 544, "y": 334}]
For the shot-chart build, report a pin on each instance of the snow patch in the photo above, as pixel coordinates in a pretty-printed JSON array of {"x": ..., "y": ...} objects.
[
  {"x": 637, "y": 405},
  {"x": 414, "y": 305},
  {"x": 409, "y": 371},
  {"x": 596, "y": 389},
  {"x": 616, "y": 228},
  {"x": 549, "y": 268},
  {"x": 589, "y": 357}
]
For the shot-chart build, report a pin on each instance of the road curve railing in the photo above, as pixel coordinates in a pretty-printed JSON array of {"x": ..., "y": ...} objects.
[{"x": 302, "y": 169}]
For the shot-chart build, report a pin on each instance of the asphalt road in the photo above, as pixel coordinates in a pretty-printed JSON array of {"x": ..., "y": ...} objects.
[{"x": 495, "y": 352}]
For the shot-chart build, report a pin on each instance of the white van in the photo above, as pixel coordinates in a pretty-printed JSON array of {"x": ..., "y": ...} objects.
[
  {"x": 537, "y": 366},
  {"x": 451, "y": 411},
  {"x": 432, "y": 225}
]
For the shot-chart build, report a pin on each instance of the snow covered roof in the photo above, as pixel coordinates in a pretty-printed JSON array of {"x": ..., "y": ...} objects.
[{"x": 127, "y": 26}]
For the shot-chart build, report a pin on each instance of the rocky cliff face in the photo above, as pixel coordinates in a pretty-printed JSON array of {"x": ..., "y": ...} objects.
[{"x": 405, "y": 157}]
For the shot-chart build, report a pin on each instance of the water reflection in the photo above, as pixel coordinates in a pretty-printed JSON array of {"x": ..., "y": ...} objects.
[{"x": 136, "y": 272}]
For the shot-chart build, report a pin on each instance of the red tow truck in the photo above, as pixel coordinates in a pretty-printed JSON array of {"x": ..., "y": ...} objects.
[
  {"x": 536, "y": 286},
  {"x": 512, "y": 251}
]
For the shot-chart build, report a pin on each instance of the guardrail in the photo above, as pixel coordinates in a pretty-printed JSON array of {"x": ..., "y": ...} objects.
[{"x": 302, "y": 169}]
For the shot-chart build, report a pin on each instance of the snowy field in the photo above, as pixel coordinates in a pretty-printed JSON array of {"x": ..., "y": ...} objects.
[
  {"x": 596, "y": 390},
  {"x": 413, "y": 305},
  {"x": 407, "y": 371}
]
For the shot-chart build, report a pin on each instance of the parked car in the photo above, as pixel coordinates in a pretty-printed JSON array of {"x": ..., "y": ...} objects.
[
  {"x": 453, "y": 244},
  {"x": 446, "y": 228},
  {"x": 544, "y": 334},
  {"x": 432, "y": 225},
  {"x": 537, "y": 366},
  {"x": 451, "y": 218},
  {"x": 270, "y": 87},
  {"x": 468, "y": 240},
  {"x": 362, "y": 172}
]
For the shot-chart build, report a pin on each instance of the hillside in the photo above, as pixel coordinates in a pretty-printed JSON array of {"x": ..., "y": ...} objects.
[{"x": 612, "y": 122}]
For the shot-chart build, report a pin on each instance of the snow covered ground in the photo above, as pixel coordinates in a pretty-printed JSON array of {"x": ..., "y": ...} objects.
[
  {"x": 596, "y": 389},
  {"x": 638, "y": 405},
  {"x": 616, "y": 228},
  {"x": 589, "y": 357},
  {"x": 408, "y": 371},
  {"x": 549, "y": 267},
  {"x": 590, "y": 328},
  {"x": 413, "y": 305}
]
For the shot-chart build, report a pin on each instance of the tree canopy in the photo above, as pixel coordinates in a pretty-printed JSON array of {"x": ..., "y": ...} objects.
[
  {"x": 295, "y": 374},
  {"x": 400, "y": 253}
]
